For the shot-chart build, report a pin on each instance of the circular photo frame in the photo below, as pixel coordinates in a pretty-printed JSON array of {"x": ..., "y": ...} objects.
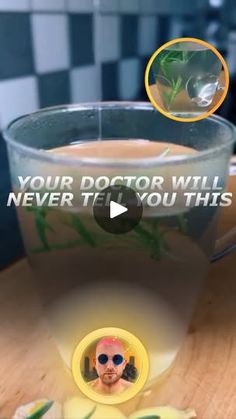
[
  {"x": 187, "y": 79},
  {"x": 110, "y": 365}
]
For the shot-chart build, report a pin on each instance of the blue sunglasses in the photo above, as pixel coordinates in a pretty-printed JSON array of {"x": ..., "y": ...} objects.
[{"x": 116, "y": 359}]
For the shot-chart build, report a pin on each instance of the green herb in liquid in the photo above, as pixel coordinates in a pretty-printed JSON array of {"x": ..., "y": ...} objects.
[{"x": 166, "y": 62}]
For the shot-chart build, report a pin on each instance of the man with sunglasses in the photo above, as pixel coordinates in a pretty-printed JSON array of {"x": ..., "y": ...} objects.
[{"x": 110, "y": 364}]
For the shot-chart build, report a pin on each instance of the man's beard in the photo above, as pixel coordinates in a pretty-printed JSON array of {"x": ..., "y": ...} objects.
[{"x": 110, "y": 378}]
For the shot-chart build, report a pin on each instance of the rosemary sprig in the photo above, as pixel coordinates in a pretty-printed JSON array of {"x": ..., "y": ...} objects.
[
  {"x": 150, "y": 233},
  {"x": 149, "y": 241},
  {"x": 41, "y": 224},
  {"x": 76, "y": 223},
  {"x": 176, "y": 84},
  {"x": 176, "y": 87},
  {"x": 152, "y": 239}
]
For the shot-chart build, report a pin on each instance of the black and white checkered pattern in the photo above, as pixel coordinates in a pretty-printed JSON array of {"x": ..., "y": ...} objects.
[{"x": 68, "y": 51}]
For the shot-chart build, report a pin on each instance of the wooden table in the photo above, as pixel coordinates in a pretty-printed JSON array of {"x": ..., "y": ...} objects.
[{"x": 203, "y": 376}]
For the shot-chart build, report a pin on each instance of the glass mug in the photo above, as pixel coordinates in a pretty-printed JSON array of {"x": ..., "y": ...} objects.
[
  {"x": 146, "y": 281},
  {"x": 187, "y": 76}
]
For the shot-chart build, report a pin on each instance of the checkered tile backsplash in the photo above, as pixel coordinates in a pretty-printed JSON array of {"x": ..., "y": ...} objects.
[
  {"x": 62, "y": 51},
  {"x": 68, "y": 51}
]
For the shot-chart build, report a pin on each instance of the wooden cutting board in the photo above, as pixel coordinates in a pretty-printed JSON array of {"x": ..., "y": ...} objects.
[{"x": 203, "y": 376}]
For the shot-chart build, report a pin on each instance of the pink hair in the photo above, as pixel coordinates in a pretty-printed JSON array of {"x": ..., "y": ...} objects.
[{"x": 110, "y": 340}]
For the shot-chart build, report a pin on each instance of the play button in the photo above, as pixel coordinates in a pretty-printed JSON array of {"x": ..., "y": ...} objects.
[{"x": 117, "y": 209}]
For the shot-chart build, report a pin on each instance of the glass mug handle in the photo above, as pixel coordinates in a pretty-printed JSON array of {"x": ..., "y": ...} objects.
[{"x": 227, "y": 243}]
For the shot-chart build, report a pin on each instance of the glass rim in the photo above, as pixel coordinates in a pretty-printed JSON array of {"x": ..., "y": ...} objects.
[{"x": 41, "y": 154}]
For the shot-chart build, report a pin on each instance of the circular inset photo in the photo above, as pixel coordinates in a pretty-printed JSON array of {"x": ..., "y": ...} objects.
[
  {"x": 110, "y": 365},
  {"x": 187, "y": 79}
]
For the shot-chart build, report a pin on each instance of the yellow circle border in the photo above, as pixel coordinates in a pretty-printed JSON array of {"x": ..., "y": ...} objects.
[
  {"x": 167, "y": 114},
  {"x": 130, "y": 392}
]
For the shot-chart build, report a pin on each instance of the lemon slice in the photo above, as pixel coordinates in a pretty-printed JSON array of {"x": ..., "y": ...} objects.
[
  {"x": 163, "y": 412},
  {"x": 81, "y": 408}
]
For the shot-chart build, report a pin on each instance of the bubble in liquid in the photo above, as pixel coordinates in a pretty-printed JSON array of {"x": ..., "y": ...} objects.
[{"x": 202, "y": 89}]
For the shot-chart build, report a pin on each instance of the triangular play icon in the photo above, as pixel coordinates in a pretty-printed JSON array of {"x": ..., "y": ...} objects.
[{"x": 116, "y": 209}]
